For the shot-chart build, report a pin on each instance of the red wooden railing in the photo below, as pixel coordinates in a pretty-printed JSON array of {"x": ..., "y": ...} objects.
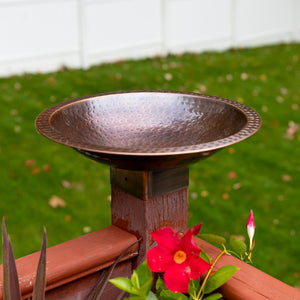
[
  {"x": 141, "y": 202},
  {"x": 250, "y": 283},
  {"x": 73, "y": 267}
]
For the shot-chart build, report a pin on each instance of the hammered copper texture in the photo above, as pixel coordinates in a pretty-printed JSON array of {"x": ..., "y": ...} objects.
[{"x": 135, "y": 126}]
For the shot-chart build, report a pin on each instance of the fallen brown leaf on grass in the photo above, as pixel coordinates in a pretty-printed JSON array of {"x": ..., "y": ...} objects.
[
  {"x": 291, "y": 130},
  {"x": 30, "y": 163},
  {"x": 56, "y": 202},
  {"x": 232, "y": 175},
  {"x": 67, "y": 184},
  {"x": 286, "y": 177}
]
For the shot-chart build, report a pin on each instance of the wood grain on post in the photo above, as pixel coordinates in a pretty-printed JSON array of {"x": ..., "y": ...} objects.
[{"x": 144, "y": 201}]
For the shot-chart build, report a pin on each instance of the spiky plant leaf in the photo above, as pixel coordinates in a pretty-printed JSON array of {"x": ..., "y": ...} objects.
[
  {"x": 11, "y": 287},
  {"x": 40, "y": 279}
]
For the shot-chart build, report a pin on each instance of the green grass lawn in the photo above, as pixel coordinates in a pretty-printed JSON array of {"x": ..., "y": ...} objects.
[{"x": 261, "y": 173}]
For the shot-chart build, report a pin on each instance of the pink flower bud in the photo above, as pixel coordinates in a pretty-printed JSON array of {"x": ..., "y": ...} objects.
[{"x": 251, "y": 228}]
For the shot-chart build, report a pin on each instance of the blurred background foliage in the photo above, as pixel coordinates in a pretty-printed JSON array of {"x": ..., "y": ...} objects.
[{"x": 47, "y": 184}]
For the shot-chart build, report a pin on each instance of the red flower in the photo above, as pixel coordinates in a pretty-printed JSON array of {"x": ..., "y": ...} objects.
[{"x": 177, "y": 257}]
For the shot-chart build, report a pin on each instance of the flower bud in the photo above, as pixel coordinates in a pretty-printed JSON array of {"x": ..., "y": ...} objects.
[{"x": 251, "y": 228}]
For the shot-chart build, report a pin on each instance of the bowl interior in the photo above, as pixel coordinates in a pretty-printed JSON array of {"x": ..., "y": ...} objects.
[{"x": 147, "y": 122}]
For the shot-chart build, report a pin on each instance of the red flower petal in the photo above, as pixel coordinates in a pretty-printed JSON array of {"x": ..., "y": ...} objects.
[
  {"x": 198, "y": 266},
  {"x": 176, "y": 279},
  {"x": 177, "y": 272},
  {"x": 196, "y": 229},
  {"x": 159, "y": 259},
  {"x": 167, "y": 238},
  {"x": 188, "y": 245}
]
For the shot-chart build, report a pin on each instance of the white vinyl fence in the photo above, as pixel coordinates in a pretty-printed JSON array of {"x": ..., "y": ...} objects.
[{"x": 42, "y": 35}]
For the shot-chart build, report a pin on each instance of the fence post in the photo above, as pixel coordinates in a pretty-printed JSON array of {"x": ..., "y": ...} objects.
[{"x": 144, "y": 201}]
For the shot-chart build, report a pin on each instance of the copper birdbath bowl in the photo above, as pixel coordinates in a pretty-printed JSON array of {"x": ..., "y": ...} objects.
[
  {"x": 148, "y": 130},
  {"x": 148, "y": 138}
]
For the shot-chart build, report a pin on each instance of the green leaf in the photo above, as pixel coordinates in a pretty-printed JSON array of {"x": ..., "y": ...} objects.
[
  {"x": 160, "y": 285},
  {"x": 212, "y": 238},
  {"x": 145, "y": 288},
  {"x": 205, "y": 256},
  {"x": 194, "y": 286},
  {"x": 238, "y": 245},
  {"x": 135, "y": 280},
  {"x": 142, "y": 279},
  {"x": 168, "y": 295},
  {"x": 215, "y": 296},
  {"x": 127, "y": 285},
  {"x": 123, "y": 284},
  {"x": 144, "y": 273},
  {"x": 150, "y": 296},
  {"x": 219, "y": 278}
]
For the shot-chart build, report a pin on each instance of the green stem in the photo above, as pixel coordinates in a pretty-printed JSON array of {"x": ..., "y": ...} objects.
[
  {"x": 200, "y": 296},
  {"x": 235, "y": 254},
  {"x": 249, "y": 256}
]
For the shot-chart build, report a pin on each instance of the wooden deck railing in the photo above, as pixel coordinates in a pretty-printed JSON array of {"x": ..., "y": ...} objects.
[
  {"x": 161, "y": 199},
  {"x": 250, "y": 283},
  {"x": 73, "y": 267}
]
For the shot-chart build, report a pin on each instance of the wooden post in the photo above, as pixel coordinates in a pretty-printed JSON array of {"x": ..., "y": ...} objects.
[{"x": 144, "y": 201}]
